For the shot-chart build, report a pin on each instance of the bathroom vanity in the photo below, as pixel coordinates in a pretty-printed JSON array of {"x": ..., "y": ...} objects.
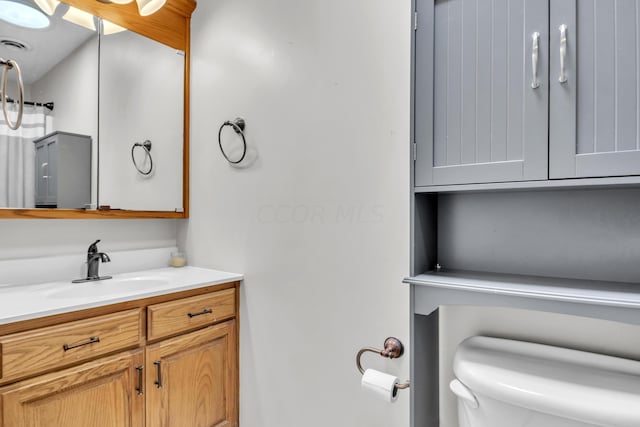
[{"x": 158, "y": 348}]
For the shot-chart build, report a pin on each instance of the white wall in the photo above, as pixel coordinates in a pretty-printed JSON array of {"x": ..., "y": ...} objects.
[
  {"x": 73, "y": 86},
  {"x": 318, "y": 220},
  {"x": 40, "y": 238}
]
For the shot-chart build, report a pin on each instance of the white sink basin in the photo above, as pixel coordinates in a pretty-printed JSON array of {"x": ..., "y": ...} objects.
[{"x": 107, "y": 287}]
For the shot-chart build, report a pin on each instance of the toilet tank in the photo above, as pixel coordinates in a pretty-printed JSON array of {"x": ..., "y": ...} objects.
[{"x": 589, "y": 388}]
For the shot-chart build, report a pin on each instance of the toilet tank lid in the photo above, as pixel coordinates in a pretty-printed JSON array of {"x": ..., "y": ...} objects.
[{"x": 587, "y": 387}]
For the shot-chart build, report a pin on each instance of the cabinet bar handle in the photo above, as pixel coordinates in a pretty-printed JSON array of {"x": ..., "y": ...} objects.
[
  {"x": 91, "y": 340},
  {"x": 535, "y": 54},
  {"x": 563, "y": 53},
  {"x": 205, "y": 311},
  {"x": 140, "y": 379},
  {"x": 158, "y": 381}
]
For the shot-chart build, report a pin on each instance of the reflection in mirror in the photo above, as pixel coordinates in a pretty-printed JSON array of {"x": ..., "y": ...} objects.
[
  {"x": 141, "y": 123},
  {"x": 50, "y": 161}
]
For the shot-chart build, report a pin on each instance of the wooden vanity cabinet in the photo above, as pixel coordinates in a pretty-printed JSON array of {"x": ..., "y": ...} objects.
[{"x": 185, "y": 377}]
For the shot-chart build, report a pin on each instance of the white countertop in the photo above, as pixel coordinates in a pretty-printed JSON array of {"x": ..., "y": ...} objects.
[{"x": 25, "y": 302}]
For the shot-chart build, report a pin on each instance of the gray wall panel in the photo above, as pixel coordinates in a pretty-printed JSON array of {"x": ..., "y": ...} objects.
[
  {"x": 483, "y": 78},
  {"x": 440, "y": 86},
  {"x": 605, "y": 72},
  {"x": 468, "y": 82},
  {"x": 516, "y": 86},
  {"x": 586, "y": 106},
  {"x": 627, "y": 75},
  {"x": 499, "y": 77},
  {"x": 583, "y": 234},
  {"x": 454, "y": 81}
]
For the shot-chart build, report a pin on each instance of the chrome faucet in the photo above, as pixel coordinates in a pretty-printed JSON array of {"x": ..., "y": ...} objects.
[{"x": 93, "y": 263}]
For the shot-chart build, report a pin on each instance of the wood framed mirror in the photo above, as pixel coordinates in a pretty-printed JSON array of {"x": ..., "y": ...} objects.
[{"x": 93, "y": 157}]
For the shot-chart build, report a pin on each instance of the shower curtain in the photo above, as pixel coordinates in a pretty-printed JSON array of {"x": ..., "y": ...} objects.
[{"x": 17, "y": 157}]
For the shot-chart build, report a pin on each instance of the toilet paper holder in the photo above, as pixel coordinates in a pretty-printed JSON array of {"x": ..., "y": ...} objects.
[{"x": 393, "y": 349}]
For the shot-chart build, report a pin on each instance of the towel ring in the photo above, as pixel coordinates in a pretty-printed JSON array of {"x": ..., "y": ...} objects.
[
  {"x": 146, "y": 146},
  {"x": 9, "y": 64},
  {"x": 393, "y": 349},
  {"x": 238, "y": 125}
]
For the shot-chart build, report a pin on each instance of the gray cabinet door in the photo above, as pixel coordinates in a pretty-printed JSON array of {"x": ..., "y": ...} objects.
[
  {"x": 595, "y": 114},
  {"x": 42, "y": 163},
  {"x": 477, "y": 117},
  {"x": 52, "y": 173}
]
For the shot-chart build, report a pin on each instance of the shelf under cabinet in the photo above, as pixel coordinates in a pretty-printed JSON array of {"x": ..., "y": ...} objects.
[
  {"x": 553, "y": 184},
  {"x": 606, "y": 300}
]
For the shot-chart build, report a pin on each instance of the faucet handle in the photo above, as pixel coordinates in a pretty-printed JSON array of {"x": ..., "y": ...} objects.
[{"x": 93, "y": 248}]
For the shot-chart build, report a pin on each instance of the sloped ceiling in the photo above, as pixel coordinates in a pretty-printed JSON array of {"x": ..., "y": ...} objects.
[{"x": 47, "y": 47}]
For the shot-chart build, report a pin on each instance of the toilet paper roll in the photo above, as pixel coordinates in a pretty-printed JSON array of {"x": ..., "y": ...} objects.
[{"x": 380, "y": 384}]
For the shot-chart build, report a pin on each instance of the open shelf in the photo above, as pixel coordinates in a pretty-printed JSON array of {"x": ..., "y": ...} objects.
[{"x": 607, "y": 300}]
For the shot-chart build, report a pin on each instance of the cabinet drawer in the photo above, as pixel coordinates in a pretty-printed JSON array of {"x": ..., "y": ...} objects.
[
  {"x": 42, "y": 349},
  {"x": 189, "y": 313}
]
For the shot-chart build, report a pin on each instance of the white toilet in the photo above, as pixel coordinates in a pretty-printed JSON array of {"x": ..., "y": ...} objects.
[{"x": 506, "y": 383}]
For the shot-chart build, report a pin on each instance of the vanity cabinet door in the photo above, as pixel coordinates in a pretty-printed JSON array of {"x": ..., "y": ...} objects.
[
  {"x": 480, "y": 113},
  {"x": 595, "y": 113},
  {"x": 192, "y": 379},
  {"x": 97, "y": 394}
]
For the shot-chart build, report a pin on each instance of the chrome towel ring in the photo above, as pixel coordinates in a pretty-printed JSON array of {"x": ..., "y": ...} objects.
[
  {"x": 146, "y": 146},
  {"x": 238, "y": 125},
  {"x": 393, "y": 349},
  {"x": 8, "y": 64}
]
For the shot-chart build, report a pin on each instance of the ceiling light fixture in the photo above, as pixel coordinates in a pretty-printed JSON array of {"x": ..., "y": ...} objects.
[
  {"x": 148, "y": 7},
  {"x": 80, "y": 17},
  {"x": 111, "y": 28},
  {"x": 22, "y": 15},
  {"x": 48, "y": 6}
]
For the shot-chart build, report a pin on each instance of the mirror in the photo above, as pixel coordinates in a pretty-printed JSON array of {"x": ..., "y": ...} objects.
[
  {"x": 141, "y": 123},
  {"x": 105, "y": 130},
  {"x": 50, "y": 161}
]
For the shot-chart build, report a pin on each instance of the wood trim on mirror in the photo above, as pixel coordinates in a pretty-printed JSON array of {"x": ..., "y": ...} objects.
[
  {"x": 170, "y": 26},
  {"x": 86, "y": 214}
]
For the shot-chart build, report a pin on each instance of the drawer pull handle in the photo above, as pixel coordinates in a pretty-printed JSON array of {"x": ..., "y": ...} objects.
[
  {"x": 91, "y": 340},
  {"x": 206, "y": 311},
  {"x": 158, "y": 381},
  {"x": 139, "y": 388}
]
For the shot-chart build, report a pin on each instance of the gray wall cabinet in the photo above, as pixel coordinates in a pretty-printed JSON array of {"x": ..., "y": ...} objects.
[
  {"x": 490, "y": 145},
  {"x": 63, "y": 171},
  {"x": 595, "y": 114},
  {"x": 490, "y": 105}
]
